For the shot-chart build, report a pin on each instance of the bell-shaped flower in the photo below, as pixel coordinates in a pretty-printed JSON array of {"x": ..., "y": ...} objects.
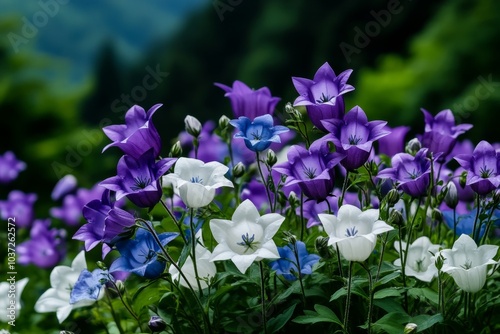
[
  {"x": 354, "y": 231},
  {"x": 323, "y": 96},
  {"x": 195, "y": 181},
  {"x": 10, "y": 311},
  {"x": 354, "y": 136},
  {"x": 67, "y": 184},
  {"x": 206, "y": 269},
  {"x": 294, "y": 261},
  {"x": 247, "y": 237},
  {"x": 19, "y": 206},
  {"x": 412, "y": 173},
  {"x": 467, "y": 263},
  {"x": 62, "y": 279},
  {"x": 419, "y": 260},
  {"x": 105, "y": 223},
  {"x": 138, "y": 135},
  {"x": 10, "y": 167},
  {"x": 394, "y": 142},
  {"x": 71, "y": 210},
  {"x": 248, "y": 102},
  {"x": 139, "y": 179},
  {"x": 140, "y": 255},
  {"x": 88, "y": 285},
  {"x": 312, "y": 170},
  {"x": 441, "y": 132},
  {"x": 258, "y": 133},
  {"x": 483, "y": 168}
]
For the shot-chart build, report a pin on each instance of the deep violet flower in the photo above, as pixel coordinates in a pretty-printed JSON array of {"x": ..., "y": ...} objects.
[
  {"x": 63, "y": 187},
  {"x": 289, "y": 256},
  {"x": 394, "y": 142},
  {"x": 323, "y": 96},
  {"x": 10, "y": 167},
  {"x": 258, "y": 133},
  {"x": 20, "y": 207}
]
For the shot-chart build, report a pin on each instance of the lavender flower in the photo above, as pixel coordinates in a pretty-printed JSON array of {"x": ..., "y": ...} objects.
[
  {"x": 138, "y": 179},
  {"x": 354, "y": 136},
  {"x": 138, "y": 135},
  {"x": 45, "y": 248},
  {"x": 248, "y": 102},
  {"x": 322, "y": 96},
  {"x": 63, "y": 187},
  {"x": 19, "y": 206},
  {"x": 258, "y": 134},
  {"x": 10, "y": 167},
  {"x": 295, "y": 261},
  {"x": 394, "y": 142},
  {"x": 483, "y": 167},
  {"x": 71, "y": 210}
]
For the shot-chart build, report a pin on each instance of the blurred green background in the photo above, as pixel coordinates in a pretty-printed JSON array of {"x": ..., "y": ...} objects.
[{"x": 69, "y": 67}]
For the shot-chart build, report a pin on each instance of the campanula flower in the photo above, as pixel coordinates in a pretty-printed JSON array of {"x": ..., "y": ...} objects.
[
  {"x": 19, "y": 206},
  {"x": 10, "y": 167},
  {"x": 66, "y": 185},
  {"x": 394, "y": 142},
  {"x": 258, "y": 133},
  {"x": 419, "y": 260},
  {"x": 88, "y": 285},
  {"x": 293, "y": 257},
  {"x": 71, "y": 210},
  {"x": 323, "y": 96}
]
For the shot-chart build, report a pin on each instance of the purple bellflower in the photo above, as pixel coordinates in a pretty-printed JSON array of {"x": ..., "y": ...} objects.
[
  {"x": 441, "y": 132},
  {"x": 312, "y": 170},
  {"x": 105, "y": 223},
  {"x": 258, "y": 134},
  {"x": 45, "y": 248},
  {"x": 71, "y": 210},
  {"x": 10, "y": 167},
  {"x": 323, "y": 96},
  {"x": 354, "y": 136},
  {"x": 88, "y": 285},
  {"x": 137, "y": 135},
  {"x": 19, "y": 206},
  {"x": 483, "y": 168},
  {"x": 394, "y": 142},
  {"x": 138, "y": 179},
  {"x": 293, "y": 257},
  {"x": 63, "y": 187},
  {"x": 140, "y": 255},
  {"x": 248, "y": 102},
  {"x": 412, "y": 173}
]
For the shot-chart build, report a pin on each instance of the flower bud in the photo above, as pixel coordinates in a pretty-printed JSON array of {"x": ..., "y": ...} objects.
[
  {"x": 410, "y": 328},
  {"x": 289, "y": 109},
  {"x": 239, "y": 170},
  {"x": 439, "y": 261},
  {"x": 322, "y": 247},
  {"x": 392, "y": 197},
  {"x": 413, "y": 146},
  {"x": 157, "y": 324},
  {"x": 436, "y": 215},
  {"x": 396, "y": 218},
  {"x": 223, "y": 122},
  {"x": 496, "y": 197},
  {"x": 289, "y": 237},
  {"x": 451, "y": 196},
  {"x": 271, "y": 158},
  {"x": 120, "y": 286},
  {"x": 293, "y": 200},
  {"x": 176, "y": 150},
  {"x": 101, "y": 265},
  {"x": 193, "y": 126},
  {"x": 463, "y": 179}
]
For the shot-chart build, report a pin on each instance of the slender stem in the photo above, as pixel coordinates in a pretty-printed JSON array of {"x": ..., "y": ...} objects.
[
  {"x": 193, "y": 251},
  {"x": 265, "y": 183},
  {"x": 348, "y": 299},
  {"x": 175, "y": 220},
  {"x": 344, "y": 188},
  {"x": 125, "y": 304},
  {"x": 454, "y": 224},
  {"x": 440, "y": 294},
  {"x": 370, "y": 301},
  {"x": 403, "y": 264},
  {"x": 478, "y": 206},
  {"x": 296, "y": 253},
  {"x": 375, "y": 188},
  {"x": 302, "y": 223},
  {"x": 263, "y": 297},
  {"x": 382, "y": 251},
  {"x": 115, "y": 318},
  {"x": 488, "y": 226},
  {"x": 339, "y": 260},
  {"x": 196, "y": 144}
]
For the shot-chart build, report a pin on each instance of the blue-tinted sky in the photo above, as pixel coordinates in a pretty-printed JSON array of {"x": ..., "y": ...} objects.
[{"x": 75, "y": 29}]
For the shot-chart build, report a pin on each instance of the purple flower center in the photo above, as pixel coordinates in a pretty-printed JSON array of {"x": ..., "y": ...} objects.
[
  {"x": 149, "y": 256},
  {"x": 141, "y": 182},
  {"x": 413, "y": 174},
  {"x": 248, "y": 241},
  {"x": 485, "y": 172},
  {"x": 324, "y": 98},
  {"x": 310, "y": 172},
  {"x": 351, "y": 232},
  {"x": 354, "y": 140}
]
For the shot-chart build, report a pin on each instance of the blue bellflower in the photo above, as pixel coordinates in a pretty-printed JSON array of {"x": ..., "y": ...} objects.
[
  {"x": 258, "y": 134},
  {"x": 89, "y": 284},
  {"x": 287, "y": 265}
]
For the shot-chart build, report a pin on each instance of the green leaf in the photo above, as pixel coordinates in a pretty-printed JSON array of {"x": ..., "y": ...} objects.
[
  {"x": 339, "y": 293},
  {"x": 388, "y": 278},
  {"x": 327, "y": 312},
  {"x": 322, "y": 314},
  {"x": 425, "y": 321},
  {"x": 389, "y": 292},
  {"x": 392, "y": 323},
  {"x": 276, "y": 323}
]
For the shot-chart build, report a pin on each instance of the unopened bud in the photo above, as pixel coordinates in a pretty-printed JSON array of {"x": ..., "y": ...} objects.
[
  {"x": 101, "y": 265},
  {"x": 463, "y": 179},
  {"x": 436, "y": 215},
  {"x": 451, "y": 196},
  {"x": 392, "y": 197},
  {"x": 193, "y": 126},
  {"x": 120, "y": 286},
  {"x": 413, "y": 146},
  {"x": 496, "y": 197},
  {"x": 396, "y": 218},
  {"x": 157, "y": 324},
  {"x": 223, "y": 122},
  {"x": 176, "y": 150},
  {"x": 293, "y": 200},
  {"x": 289, "y": 237},
  {"x": 271, "y": 158},
  {"x": 322, "y": 247},
  {"x": 439, "y": 261},
  {"x": 289, "y": 109},
  {"x": 239, "y": 170},
  {"x": 410, "y": 328}
]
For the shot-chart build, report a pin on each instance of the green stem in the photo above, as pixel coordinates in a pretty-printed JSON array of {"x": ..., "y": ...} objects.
[
  {"x": 193, "y": 251},
  {"x": 488, "y": 226},
  {"x": 263, "y": 297},
  {"x": 113, "y": 314},
  {"x": 478, "y": 207},
  {"x": 265, "y": 183},
  {"x": 348, "y": 299},
  {"x": 370, "y": 300},
  {"x": 339, "y": 260},
  {"x": 454, "y": 224},
  {"x": 175, "y": 220},
  {"x": 382, "y": 251},
  {"x": 296, "y": 253},
  {"x": 125, "y": 304},
  {"x": 302, "y": 227},
  {"x": 344, "y": 188}
]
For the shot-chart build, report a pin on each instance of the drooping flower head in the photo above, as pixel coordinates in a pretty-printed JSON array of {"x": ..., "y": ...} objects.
[
  {"x": 247, "y": 237},
  {"x": 294, "y": 261},
  {"x": 419, "y": 261},
  {"x": 483, "y": 168},
  {"x": 10, "y": 167},
  {"x": 248, "y": 102},
  {"x": 441, "y": 132},
  {"x": 71, "y": 210},
  {"x": 467, "y": 263},
  {"x": 195, "y": 181},
  {"x": 105, "y": 223},
  {"x": 312, "y": 170},
  {"x": 354, "y": 231},
  {"x": 46, "y": 246},
  {"x": 138, "y": 179},
  {"x": 412, "y": 173},
  {"x": 394, "y": 142},
  {"x": 88, "y": 285},
  {"x": 19, "y": 206},
  {"x": 140, "y": 255},
  {"x": 63, "y": 187},
  {"x": 323, "y": 96},
  {"x": 354, "y": 136},
  {"x": 258, "y": 133},
  {"x": 138, "y": 135}
]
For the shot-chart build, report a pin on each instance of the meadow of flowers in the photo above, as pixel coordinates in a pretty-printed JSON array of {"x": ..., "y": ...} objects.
[{"x": 313, "y": 218}]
